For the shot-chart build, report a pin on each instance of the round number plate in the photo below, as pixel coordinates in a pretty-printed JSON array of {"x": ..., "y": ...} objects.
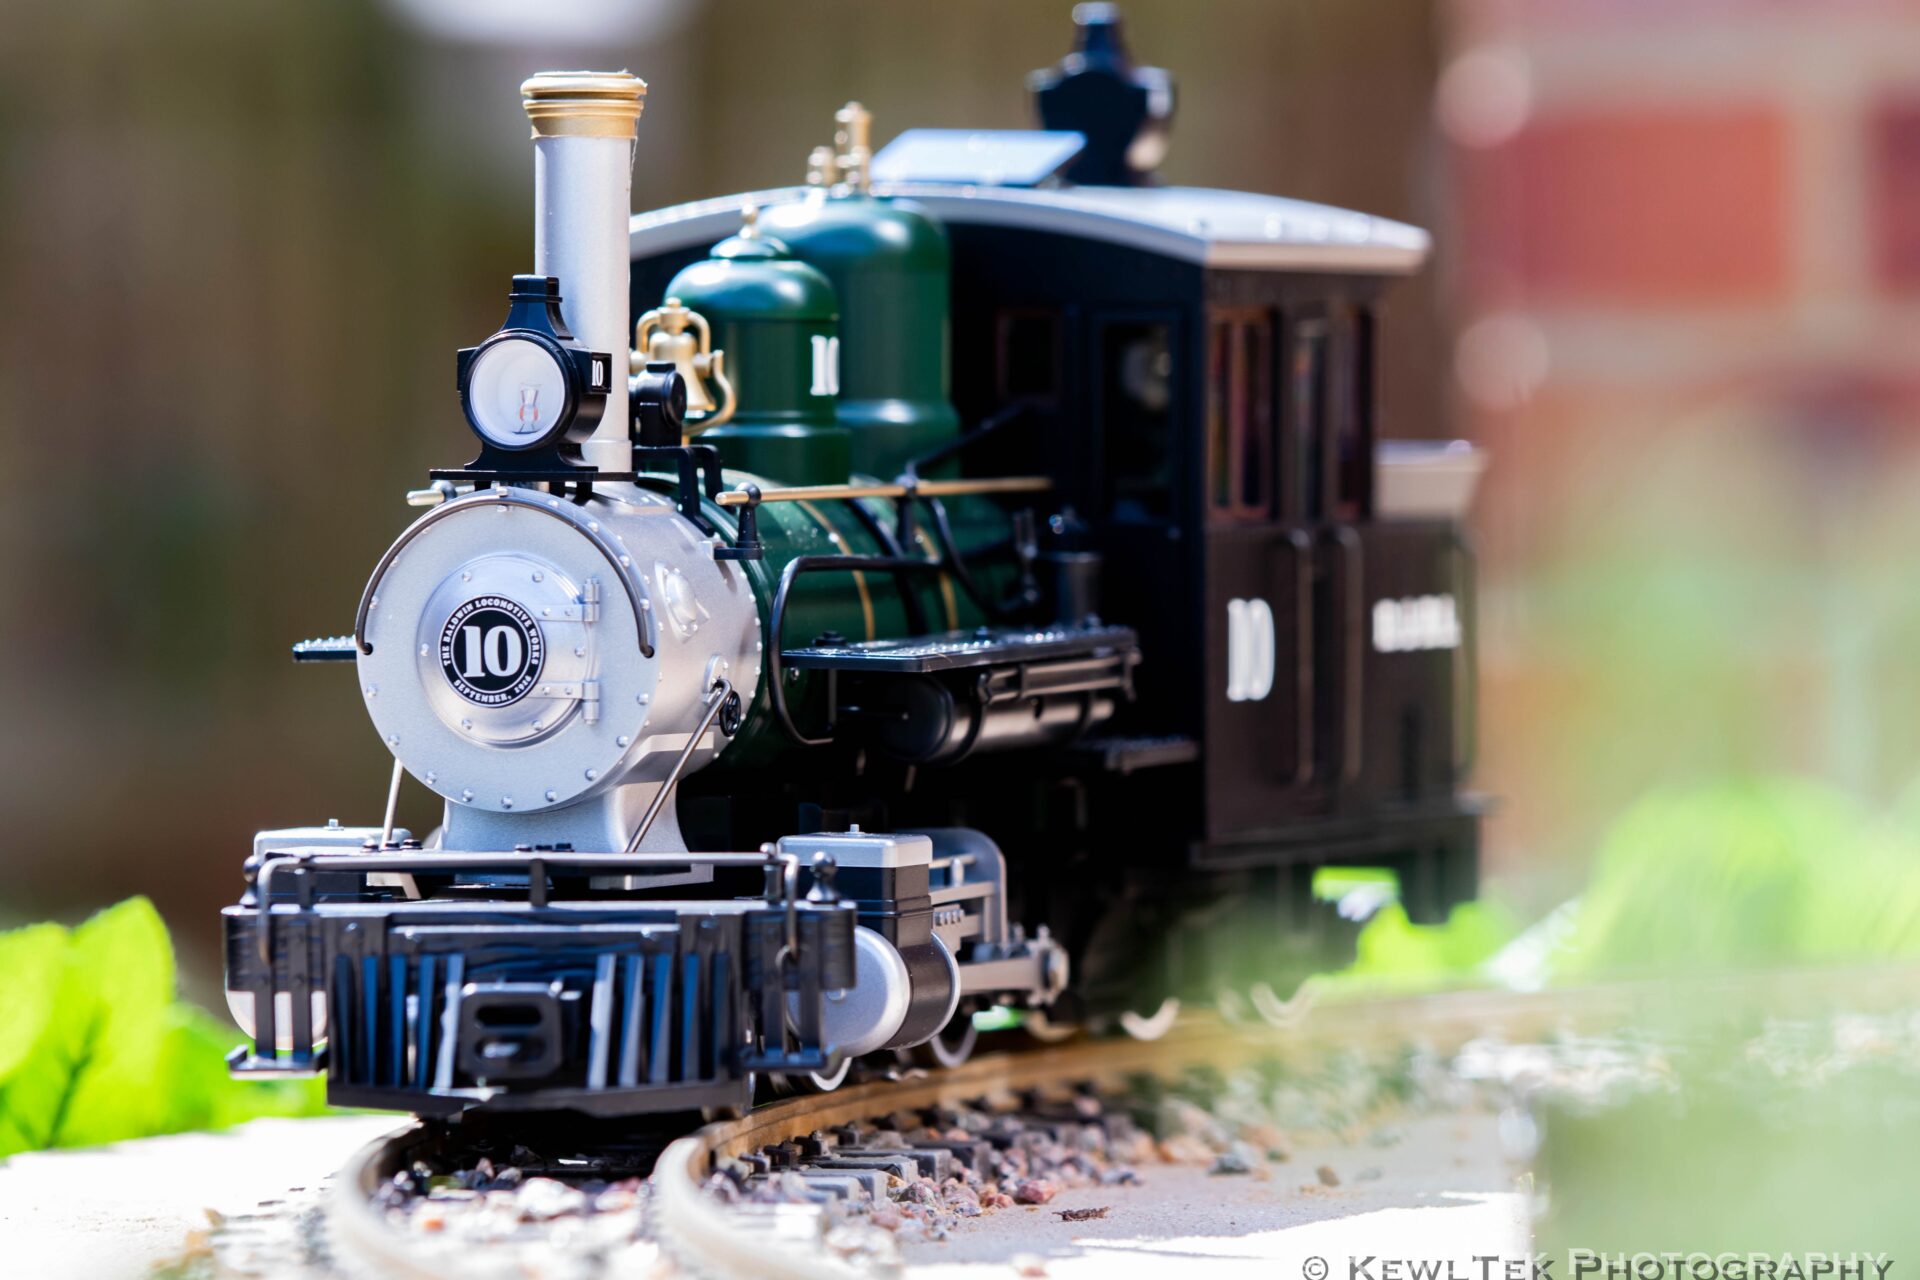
[{"x": 491, "y": 651}]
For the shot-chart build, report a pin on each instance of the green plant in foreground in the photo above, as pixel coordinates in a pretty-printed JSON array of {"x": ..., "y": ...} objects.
[
  {"x": 1748, "y": 873},
  {"x": 1741, "y": 874},
  {"x": 95, "y": 1046}
]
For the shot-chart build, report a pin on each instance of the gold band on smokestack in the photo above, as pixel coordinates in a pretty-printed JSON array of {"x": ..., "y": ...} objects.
[{"x": 583, "y": 104}]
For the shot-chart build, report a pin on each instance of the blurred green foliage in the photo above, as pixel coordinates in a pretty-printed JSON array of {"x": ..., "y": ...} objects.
[
  {"x": 95, "y": 1047},
  {"x": 1392, "y": 947},
  {"x": 1745, "y": 874},
  {"x": 1790, "y": 1135},
  {"x": 1741, "y": 874}
]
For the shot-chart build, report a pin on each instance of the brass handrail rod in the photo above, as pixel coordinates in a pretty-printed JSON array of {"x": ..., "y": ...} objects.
[{"x": 924, "y": 489}]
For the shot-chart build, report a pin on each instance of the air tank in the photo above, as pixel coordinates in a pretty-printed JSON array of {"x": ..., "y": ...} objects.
[
  {"x": 776, "y": 318},
  {"x": 889, "y": 263}
]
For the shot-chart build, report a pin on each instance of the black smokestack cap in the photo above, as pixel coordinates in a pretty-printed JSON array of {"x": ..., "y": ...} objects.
[{"x": 1124, "y": 111}]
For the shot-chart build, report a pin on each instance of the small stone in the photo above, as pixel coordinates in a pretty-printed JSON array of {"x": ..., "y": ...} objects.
[
  {"x": 1180, "y": 1118},
  {"x": 1183, "y": 1148},
  {"x": 1027, "y": 1264},
  {"x": 1268, "y": 1139},
  {"x": 542, "y": 1199},
  {"x": 1328, "y": 1178},
  {"x": 1034, "y": 1191},
  {"x": 1240, "y": 1158}
]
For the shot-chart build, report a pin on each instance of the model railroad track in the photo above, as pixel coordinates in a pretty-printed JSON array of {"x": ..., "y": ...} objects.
[{"x": 710, "y": 1237}]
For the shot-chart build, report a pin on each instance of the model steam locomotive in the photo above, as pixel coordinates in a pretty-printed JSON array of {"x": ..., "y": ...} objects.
[{"x": 959, "y": 584}]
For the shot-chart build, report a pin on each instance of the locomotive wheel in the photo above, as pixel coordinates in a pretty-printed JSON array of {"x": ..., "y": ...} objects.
[
  {"x": 1282, "y": 1013},
  {"x": 952, "y": 1045},
  {"x": 1151, "y": 1026},
  {"x": 1042, "y": 1028},
  {"x": 798, "y": 1083},
  {"x": 1234, "y": 1008},
  {"x": 828, "y": 1081}
]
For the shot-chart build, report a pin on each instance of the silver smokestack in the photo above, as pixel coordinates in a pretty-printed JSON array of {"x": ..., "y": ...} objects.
[{"x": 584, "y": 125}]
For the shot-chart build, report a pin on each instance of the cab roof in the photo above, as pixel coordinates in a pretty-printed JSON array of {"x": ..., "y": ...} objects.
[{"x": 1220, "y": 229}]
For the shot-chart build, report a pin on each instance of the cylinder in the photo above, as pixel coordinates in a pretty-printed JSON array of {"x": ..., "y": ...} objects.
[{"x": 584, "y": 126}]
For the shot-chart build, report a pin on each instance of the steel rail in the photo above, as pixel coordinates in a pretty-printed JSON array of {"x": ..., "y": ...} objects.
[{"x": 704, "y": 1236}]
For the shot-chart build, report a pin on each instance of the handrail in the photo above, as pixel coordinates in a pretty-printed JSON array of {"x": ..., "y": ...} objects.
[
  {"x": 1466, "y": 658},
  {"x": 513, "y": 498},
  {"x": 776, "y": 621},
  {"x": 960, "y": 444},
  {"x": 1305, "y": 762},
  {"x": 716, "y": 699},
  {"x": 1353, "y": 704},
  {"x": 923, "y": 488}
]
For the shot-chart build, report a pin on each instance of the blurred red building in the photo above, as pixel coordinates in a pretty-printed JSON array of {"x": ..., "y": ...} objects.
[{"x": 1684, "y": 255}]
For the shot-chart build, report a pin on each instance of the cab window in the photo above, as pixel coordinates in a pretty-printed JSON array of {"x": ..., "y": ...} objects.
[
  {"x": 1305, "y": 469},
  {"x": 1136, "y": 409},
  {"x": 1240, "y": 426},
  {"x": 1353, "y": 423}
]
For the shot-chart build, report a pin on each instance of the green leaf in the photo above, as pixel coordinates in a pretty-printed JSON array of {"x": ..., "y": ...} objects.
[
  {"x": 200, "y": 1092},
  {"x": 94, "y": 1047},
  {"x": 32, "y": 960},
  {"x": 125, "y": 960},
  {"x": 88, "y": 1076}
]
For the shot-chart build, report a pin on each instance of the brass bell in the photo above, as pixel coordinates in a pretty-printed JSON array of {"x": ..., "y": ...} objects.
[{"x": 680, "y": 334}]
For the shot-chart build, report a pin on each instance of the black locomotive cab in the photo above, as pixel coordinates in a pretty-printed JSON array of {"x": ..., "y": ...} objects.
[{"x": 1198, "y": 370}]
